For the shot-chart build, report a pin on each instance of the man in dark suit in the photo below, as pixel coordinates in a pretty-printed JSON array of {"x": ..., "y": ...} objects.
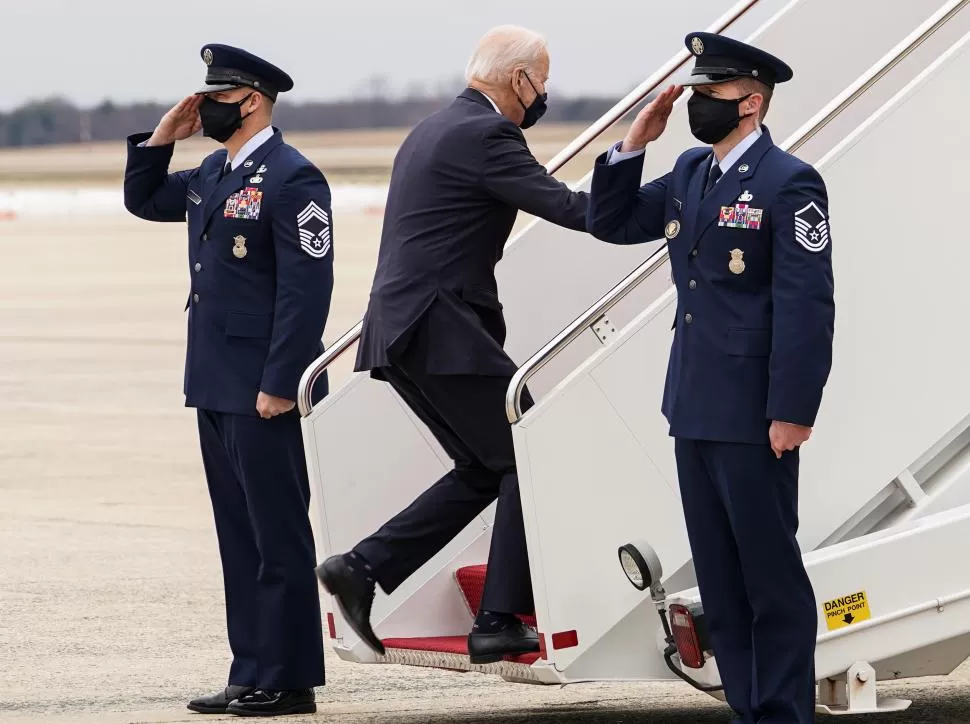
[
  {"x": 434, "y": 330},
  {"x": 261, "y": 266},
  {"x": 750, "y": 254}
]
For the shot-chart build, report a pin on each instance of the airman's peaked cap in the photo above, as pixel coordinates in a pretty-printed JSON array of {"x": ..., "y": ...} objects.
[
  {"x": 229, "y": 67},
  {"x": 718, "y": 59}
]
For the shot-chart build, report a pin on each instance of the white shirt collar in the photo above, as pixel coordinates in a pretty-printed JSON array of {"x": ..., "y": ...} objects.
[
  {"x": 494, "y": 104},
  {"x": 251, "y": 145},
  {"x": 738, "y": 151}
]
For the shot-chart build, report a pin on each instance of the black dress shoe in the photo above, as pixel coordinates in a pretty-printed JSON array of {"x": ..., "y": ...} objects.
[
  {"x": 263, "y": 702},
  {"x": 487, "y": 648},
  {"x": 354, "y": 595},
  {"x": 217, "y": 703}
]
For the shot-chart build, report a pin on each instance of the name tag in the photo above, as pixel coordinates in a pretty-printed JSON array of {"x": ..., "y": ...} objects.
[
  {"x": 244, "y": 204},
  {"x": 740, "y": 216},
  {"x": 194, "y": 197}
]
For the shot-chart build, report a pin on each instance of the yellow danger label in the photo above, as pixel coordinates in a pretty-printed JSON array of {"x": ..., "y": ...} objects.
[{"x": 846, "y": 610}]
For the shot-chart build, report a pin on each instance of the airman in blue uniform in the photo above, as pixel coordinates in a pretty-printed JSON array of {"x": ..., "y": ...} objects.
[
  {"x": 261, "y": 268},
  {"x": 747, "y": 228}
]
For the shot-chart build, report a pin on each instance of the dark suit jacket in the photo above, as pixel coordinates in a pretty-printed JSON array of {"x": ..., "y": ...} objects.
[
  {"x": 458, "y": 181},
  {"x": 256, "y": 312},
  {"x": 752, "y": 264}
]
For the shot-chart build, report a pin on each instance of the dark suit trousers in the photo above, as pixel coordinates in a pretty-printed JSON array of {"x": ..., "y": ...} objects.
[
  {"x": 741, "y": 508},
  {"x": 466, "y": 413},
  {"x": 260, "y": 494}
]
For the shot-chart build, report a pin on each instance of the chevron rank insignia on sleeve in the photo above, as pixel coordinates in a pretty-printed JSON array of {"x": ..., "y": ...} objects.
[
  {"x": 811, "y": 228},
  {"x": 313, "y": 224}
]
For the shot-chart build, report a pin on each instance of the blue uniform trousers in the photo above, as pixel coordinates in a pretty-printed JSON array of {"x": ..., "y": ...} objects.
[
  {"x": 741, "y": 509},
  {"x": 260, "y": 494}
]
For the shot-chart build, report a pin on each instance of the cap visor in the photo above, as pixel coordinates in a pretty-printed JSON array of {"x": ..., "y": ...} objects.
[
  {"x": 217, "y": 88},
  {"x": 708, "y": 79}
]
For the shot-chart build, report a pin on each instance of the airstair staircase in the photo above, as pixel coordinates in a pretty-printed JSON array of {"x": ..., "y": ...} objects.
[{"x": 885, "y": 495}]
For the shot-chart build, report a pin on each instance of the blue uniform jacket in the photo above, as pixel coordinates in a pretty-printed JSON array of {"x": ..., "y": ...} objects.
[
  {"x": 260, "y": 261},
  {"x": 752, "y": 264}
]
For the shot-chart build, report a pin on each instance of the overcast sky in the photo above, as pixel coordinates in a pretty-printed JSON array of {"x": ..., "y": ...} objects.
[{"x": 125, "y": 50}]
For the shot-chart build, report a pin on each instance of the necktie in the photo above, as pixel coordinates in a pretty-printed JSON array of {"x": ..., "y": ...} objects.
[
  {"x": 226, "y": 170},
  {"x": 712, "y": 177}
]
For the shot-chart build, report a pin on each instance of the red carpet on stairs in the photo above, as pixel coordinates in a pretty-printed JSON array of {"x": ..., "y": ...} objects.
[
  {"x": 471, "y": 580},
  {"x": 448, "y": 645}
]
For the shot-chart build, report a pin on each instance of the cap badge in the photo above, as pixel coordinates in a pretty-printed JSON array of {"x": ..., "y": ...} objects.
[
  {"x": 207, "y": 56},
  {"x": 697, "y": 45}
]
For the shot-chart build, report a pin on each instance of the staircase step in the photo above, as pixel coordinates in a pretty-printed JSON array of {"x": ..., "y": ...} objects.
[
  {"x": 451, "y": 654},
  {"x": 457, "y": 645},
  {"x": 471, "y": 581}
]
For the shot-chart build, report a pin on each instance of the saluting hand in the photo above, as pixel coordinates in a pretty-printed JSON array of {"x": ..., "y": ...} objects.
[
  {"x": 179, "y": 123},
  {"x": 270, "y": 406},
  {"x": 651, "y": 122},
  {"x": 786, "y": 436}
]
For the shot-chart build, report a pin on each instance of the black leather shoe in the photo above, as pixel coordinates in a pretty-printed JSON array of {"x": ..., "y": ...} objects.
[
  {"x": 354, "y": 596},
  {"x": 263, "y": 702},
  {"x": 487, "y": 648},
  {"x": 217, "y": 703}
]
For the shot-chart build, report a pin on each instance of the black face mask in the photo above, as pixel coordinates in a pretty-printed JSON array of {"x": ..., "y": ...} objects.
[
  {"x": 712, "y": 119},
  {"x": 221, "y": 119},
  {"x": 535, "y": 110}
]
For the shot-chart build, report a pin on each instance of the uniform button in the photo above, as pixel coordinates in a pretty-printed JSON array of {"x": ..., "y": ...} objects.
[
  {"x": 692, "y": 284},
  {"x": 198, "y": 267},
  {"x": 687, "y": 317},
  {"x": 694, "y": 252},
  {"x": 195, "y": 298},
  {"x": 205, "y": 237}
]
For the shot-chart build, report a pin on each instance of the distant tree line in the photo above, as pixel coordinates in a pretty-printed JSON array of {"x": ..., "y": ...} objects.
[{"x": 57, "y": 121}]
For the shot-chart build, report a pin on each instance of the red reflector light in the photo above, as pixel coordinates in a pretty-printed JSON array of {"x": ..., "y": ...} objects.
[
  {"x": 332, "y": 626},
  {"x": 565, "y": 639},
  {"x": 685, "y": 637}
]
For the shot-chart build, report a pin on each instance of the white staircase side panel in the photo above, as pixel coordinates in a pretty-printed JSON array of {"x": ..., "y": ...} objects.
[
  {"x": 355, "y": 494},
  {"x": 589, "y": 485},
  {"x": 917, "y": 596},
  {"x": 898, "y": 386},
  {"x": 937, "y": 659},
  {"x": 368, "y": 457},
  {"x": 919, "y": 601}
]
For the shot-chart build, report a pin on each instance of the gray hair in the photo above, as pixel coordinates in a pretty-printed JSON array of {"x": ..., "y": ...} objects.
[{"x": 503, "y": 50}]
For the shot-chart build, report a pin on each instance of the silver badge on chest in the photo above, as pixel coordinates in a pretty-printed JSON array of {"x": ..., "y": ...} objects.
[{"x": 239, "y": 247}]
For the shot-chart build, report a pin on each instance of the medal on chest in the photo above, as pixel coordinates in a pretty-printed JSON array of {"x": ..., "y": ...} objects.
[
  {"x": 740, "y": 216},
  {"x": 244, "y": 204}
]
